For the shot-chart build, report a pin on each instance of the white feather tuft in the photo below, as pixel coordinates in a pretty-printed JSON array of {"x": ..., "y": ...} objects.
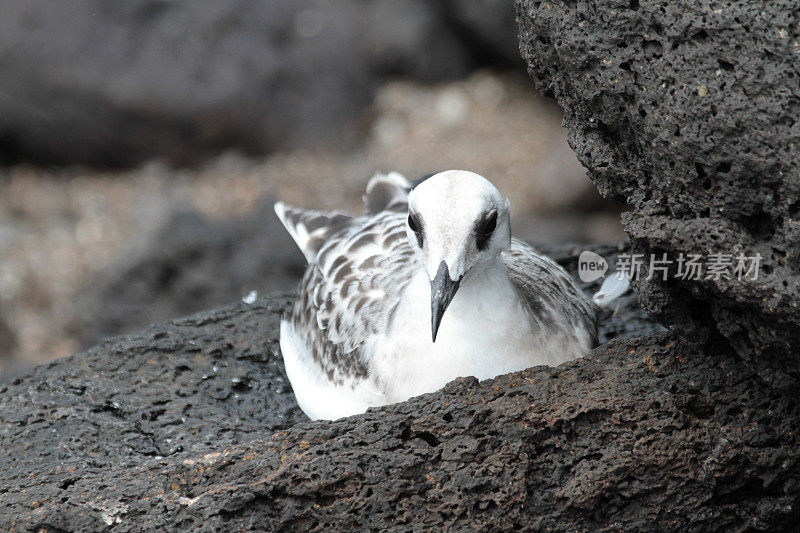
[{"x": 613, "y": 287}]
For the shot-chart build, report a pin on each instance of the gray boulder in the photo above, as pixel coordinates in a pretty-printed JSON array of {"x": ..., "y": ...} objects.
[
  {"x": 690, "y": 113},
  {"x": 487, "y": 27}
]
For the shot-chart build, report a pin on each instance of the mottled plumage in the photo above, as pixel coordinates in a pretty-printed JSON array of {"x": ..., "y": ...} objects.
[{"x": 360, "y": 331}]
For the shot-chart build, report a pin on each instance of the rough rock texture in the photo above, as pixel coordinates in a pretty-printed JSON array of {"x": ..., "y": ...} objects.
[
  {"x": 203, "y": 382},
  {"x": 690, "y": 112},
  {"x": 117, "y": 83},
  {"x": 174, "y": 392},
  {"x": 644, "y": 434}
]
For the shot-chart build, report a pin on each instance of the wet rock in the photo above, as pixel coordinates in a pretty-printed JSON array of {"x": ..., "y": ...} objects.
[{"x": 689, "y": 112}]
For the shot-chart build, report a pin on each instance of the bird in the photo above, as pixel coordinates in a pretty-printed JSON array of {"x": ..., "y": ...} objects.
[{"x": 425, "y": 286}]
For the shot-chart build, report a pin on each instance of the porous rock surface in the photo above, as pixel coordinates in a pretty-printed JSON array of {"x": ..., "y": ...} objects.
[
  {"x": 175, "y": 392},
  {"x": 690, "y": 112},
  {"x": 644, "y": 434},
  {"x": 206, "y": 380}
]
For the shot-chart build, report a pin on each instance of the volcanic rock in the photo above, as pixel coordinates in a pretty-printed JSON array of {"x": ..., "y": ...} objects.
[{"x": 690, "y": 112}]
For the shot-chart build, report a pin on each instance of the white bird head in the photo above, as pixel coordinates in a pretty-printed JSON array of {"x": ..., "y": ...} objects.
[{"x": 460, "y": 222}]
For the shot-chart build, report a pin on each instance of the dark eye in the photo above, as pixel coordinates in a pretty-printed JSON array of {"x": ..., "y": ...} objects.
[
  {"x": 412, "y": 223},
  {"x": 415, "y": 227},
  {"x": 485, "y": 229}
]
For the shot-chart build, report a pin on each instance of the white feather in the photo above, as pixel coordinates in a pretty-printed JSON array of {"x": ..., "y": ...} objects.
[
  {"x": 613, "y": 287},
  {"x": 317, "y": 396}
]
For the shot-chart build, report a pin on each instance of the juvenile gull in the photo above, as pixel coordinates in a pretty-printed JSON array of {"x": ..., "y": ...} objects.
[{"x": 424, "y": 287}]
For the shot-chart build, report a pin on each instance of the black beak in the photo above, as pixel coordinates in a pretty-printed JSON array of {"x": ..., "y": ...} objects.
[{"x": 442, "y": 291}]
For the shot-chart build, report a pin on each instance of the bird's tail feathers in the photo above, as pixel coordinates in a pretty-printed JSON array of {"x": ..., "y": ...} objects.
[
  {"x": 386, "y": 192},
  {"x": 310, "y": 229}
]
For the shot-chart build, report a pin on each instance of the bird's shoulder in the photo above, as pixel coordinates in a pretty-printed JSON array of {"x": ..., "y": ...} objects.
[{"x": 546, "y": 289}]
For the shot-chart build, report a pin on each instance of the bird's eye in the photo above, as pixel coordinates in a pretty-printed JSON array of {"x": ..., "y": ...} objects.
[
  {"x": 415, "y": 227},
  {"x": 485, "y": 229},
  {"x": 412, "y": 223},
  {"x": 490, "y": 224}
]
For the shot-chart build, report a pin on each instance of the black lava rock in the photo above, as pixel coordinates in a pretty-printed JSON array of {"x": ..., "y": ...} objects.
[
  {"x": 144, "y": 433},
  {"x": 200, "y": 383},
  {"x": 690, "y": 112},
  {"x": 189, "y": 392}
]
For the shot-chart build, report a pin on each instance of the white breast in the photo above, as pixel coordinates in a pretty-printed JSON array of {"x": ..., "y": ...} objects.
[{"x": 485, "y": 332}]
